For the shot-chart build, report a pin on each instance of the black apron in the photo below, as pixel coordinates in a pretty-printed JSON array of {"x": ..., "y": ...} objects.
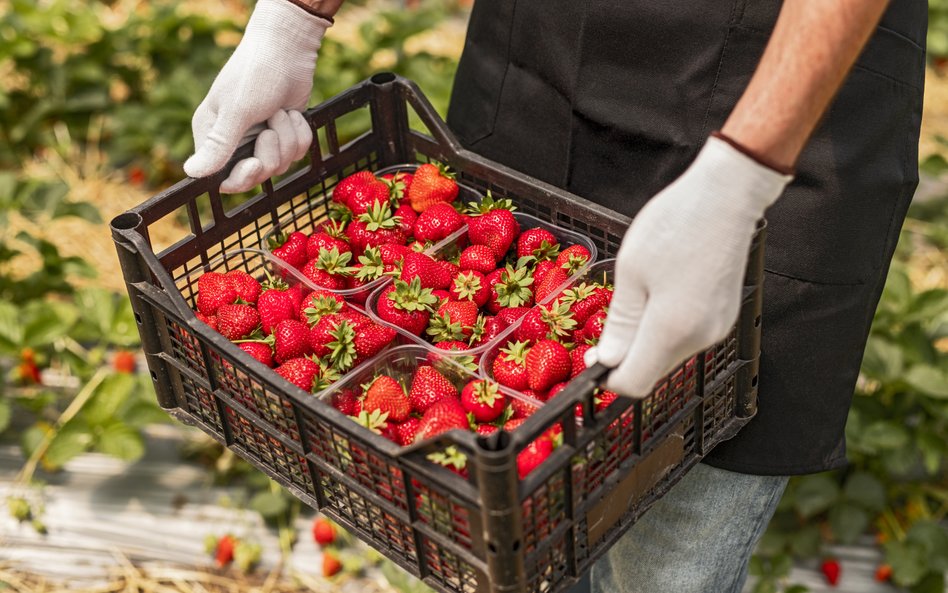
[{"x": 612, "y": 99}]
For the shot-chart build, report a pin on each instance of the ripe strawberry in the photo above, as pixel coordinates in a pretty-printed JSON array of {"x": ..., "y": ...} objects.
[
  {"x": 299, "y": 371},
  {"x": 451, "y": 459},
  {"x": 370, "y": 339},
  {"x": 421, "y": 266},
  {"x": 552, "y": 321},
  {"x": 291, "y": 339},
  {"x": 479, "y": 258},
  {"x": 547, "y": 363},
  {"x": 470, "y": 286},
  {"x": 324, "y": 532},
  {"x": 405, "y": 431},
  {"x": 430, "y": 185},
  {"x": 260, "y": 351},
  {"x": 347, "y": 401},
  {"x": 884, "y": 573},
  {"x": 576, "y": 356},
  {"x": 246, "y": 286},
  {"x": 454, "y": 321},
  {"x": 367, "y": 195},
  {"x": 831, "y": 570},
  {"x": 510, "y": 288},
  {"x": 523, "y": 408},
  {"x": 512, "y": 424},
  {"x": 391, "y": 253},
  {"x": 538, "y": 242},
  {"x": 210, "y": 320},
  {"x": 592, "y": 329},
  {"x": 555, "y": 390},
  {"x": 533, "y": 455},
  {"x": 319, "y": 241},
  {"x": 214, "y": 289},
  {"x": 318, "y": 303},
  {"x": 492, "y": 223},
  {"x": 224, "y": 552},
  {"x": 552, "y": 281},
  {"x": 448, "y": 271},
  {"x": 237, "y": 321},
  {"x": 398, "y": 183},
  {"x": 428, "y": 387},
  {"x": 604, "y": 399},
  {"x": 573, "y": 258},
  {"x": 406, "y": 305},
  {"x": 584, "y": 300},
  {"x": 331, "y": 565},
  {"x": 440, "y": 417},
  {"x": 387, "y": 395},
  {"x": 349, "y": 185},
  {"x": 290, "y": 248},
  {"x": 442, "y": 295},
  {"x": 124, "y": 362},
  {"x": 485, "y": 329},
  {"x": 510, "y": 315},
  {"x": 275, "y": 305},
  {"x": 329, "y": 269},
  {"x": 486, "y": 429},
  {"x": 508, "y": 367},
  {"x": 541, "y": 270},
  {"x": 406, "y": 219},
  {"x": 437, "y": 222},
  {"x": 483, "y": 400},
  {"x": 376, "y": 227},
  {"x": 322, "y": 334}
]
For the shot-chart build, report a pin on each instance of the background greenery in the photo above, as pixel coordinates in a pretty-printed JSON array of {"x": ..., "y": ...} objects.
[{"x": 102, "y": 92}]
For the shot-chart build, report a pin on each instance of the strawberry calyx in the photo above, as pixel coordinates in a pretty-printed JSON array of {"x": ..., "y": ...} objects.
[
  {"x": 339, "y": 213},
  {"x": 546, "y": 250},
  {"x": 577, "y": 294},
  {"x": 342, "y": 350},
  {"x": 411, "y": 296},
  {"x": 516, "y": 351},
  {"x": 335, "y": 229},
  {"x": 513, "y": 288},
  {"x": 320, "y": 307},
  {"x": 334, "y": 263},
  {"x": 574, "y": 263},
  {"x": 396, "y": 189},
  {"x": 467, "y": 285},
  {"x": 327, "y": 375},
  {"x": 372, "y": 267},
  {"x": 487, "y": 204},
  {"x": 486, "y": 393},
  {"x": 376, "y": 420},
  {"x": 379, "y": 216},
  {"x": 450, "y": 458},
  {"x": 558, "y": 318},
  {"x": 442, "y": 329}
]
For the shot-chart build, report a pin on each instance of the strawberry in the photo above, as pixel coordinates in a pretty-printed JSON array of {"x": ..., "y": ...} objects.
[
  {"x": 576, "y": 355},
  {"x": 246, "y": 286},
  {"x": 486, "y": 429},
  {"x": 479, "y": 258},
  {"x": 523, "y": 408},
  {"x": 259, "y": 351},
  {"x": 322, "y": 334},
  {"x": 290, "y": 248},
  {"x": 454, "y": 321},
  {"x": 329, "y": 269},
  {"x": 485, "y": 329},
  {"x": 291, "y": 339},
  {"x": 347, "y": 401},
  {"x": 573, "y": 258},
  {"x": 451, "y": 459},
  {"x": 318, "y": 303},
  {"x": 442, "y": 295},
  {"x": 124, "y": 362},
  {"x": 369, "y": 194},
  {"x": 299, "y": 371},
  {"x": 541, "y": 270},
  {"x": 448, "y": 271},
  {"x": 604, "y": 399},
  {"x": 555, "y": 390},
  {"x": 391, "y": 253},
  {"x": 387, "y": 395},
  {"x": 319, "y": 241},
  {"x": 224, "y": 551},
  {"x": 370, "y": 339},
  {"x": 831, "y": 569},
  {"x": 510, "y": 315},
  {"x": 440, "y": 417},
  {"x": 884, "y": 573},
  {"x": 331, "y": 565},
  {"x": 552, "y": 281},
  {"x": 492, "y": 223},
  {"x": 275, "y": 305},
  {"x": 512, "y": 424},
  {"x": 584, "y": 300},
  {"x": 405, "y": 431},
  {"x": 483, "y": 400},
  {"x": 510, "y": 289},
  {"x": 553, "y": 321},
  {"x": 406, "y": 305},
  {"x": 428, "y": 387},
  {"x": 214, "y": 289},
  {"x": 430, "y": 185},
  {"x": 592, "y": 329},
  {"x": 398, "y": 183},
  {"x": 237, "y": 321},
  {"x": 533, "y": 455},
  {"x": 508, "y": 367},
  {"x": 324, "y": 532},
  {"x": 547, "y": 363},
  {"x": 375, "y": 227},
  {"x": 470, "y": 286},
  {"x": 437, "y": 222},
  {"x": 347, "y": 186},
  {"x": 538, "y": 242},
  {"x": 210, "y": 320},
  {"x": 427, "y": 270}
]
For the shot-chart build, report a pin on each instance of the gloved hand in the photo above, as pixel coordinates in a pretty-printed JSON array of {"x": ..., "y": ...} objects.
[
  {"x": 680, "y": 268},
  {"x": 267, "y": 79}
]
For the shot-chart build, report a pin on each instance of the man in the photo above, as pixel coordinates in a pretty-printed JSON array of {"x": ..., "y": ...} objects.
[{"x": 691, "y": 115}]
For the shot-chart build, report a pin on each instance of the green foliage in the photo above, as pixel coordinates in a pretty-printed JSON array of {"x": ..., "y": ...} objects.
[{"x": 938, "y": 29}]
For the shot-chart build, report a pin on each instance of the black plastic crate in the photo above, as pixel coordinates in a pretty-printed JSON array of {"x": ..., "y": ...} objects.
[{"x": 489, "y": 532}]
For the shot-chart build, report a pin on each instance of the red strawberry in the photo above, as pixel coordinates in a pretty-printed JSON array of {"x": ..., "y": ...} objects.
[
  {"x": 508, "y": 367},
  {"x": 556, "y": 389},
  {"x": 406, "y": 305},
  {"x": 324, "y": 532},
  {"x": 576, "y": 356},
  {"x": 512, "y": 424},
  {"x": 538, "y": 242},
  {"x": 370, "y": 339},
  {"x": 406, "y": 219},
  {"x": 348, "y": 401},
  {"x": 440, "y": 417},
  {"x": 483, "y": 400},
  {"x": 533, "y": 455},
  {"x": 454, "y": 321},
  {"x": 479, "y": 258},
  {"x": 584, "y": 300},
  {"x": 329, "y": 270},
  {"x": 405, "y": 431},
  {"x": 299, "y": 371},
  {"x": 224, "y": 551},
  {"x": 398, "y": 182},
  {"x": 391, "y": 253},
  {"x": 428, "y": 271},
  {"x": 258, "y": 350},
  {"x": 523, "y": 408},
  {"x": 214, "y": 289},
  {"x": 541, "y": 270},
  {"x": 547, "y": 363},
  {"x": 319, "y": 241},
  {"x": 831, "y": 570},
  {"x": 510, "y": 315},
  {"x": 486, "y": 329},
  {"x": 367, "y": 195},
  {"x": 442, "y": 295},
  {"x": 376, "y": 227},
  {"x": 349, "y": 185},
  {"x": 492, "y": 223},
  {"x": 331, "y": 565},
  {"x": 246, "y": 286},
  {"x": 552, "y": 281},
  {"x": 210, "y": 320},
  {"x": 604, "y": 399},
  {"x": 318, "y": 303},
  {"x": 486, "y": 429},
  {"x": 553, "y": 321},
  {"x": 592, "y": 329},
  {"x": 237, "y": 321},
  {"x": 437, "y": 222},
  {"x": 275, "y": 305},
  {"x": 430, "y": 185},
  {"x": 511, "y": 288},
  {"x": 884, "y": 573},
  {"x": 322, "y": 335},
  {"x": 573, "y": 258},
  {"x": 470, "y": 286},
  {"x": 448, "y": 271},
  {"x": 387, "y": 395},
  {"x": 429, "y": 387},
  {"x": 123, "y": 362},
  {"x": 291, "y": 339}
]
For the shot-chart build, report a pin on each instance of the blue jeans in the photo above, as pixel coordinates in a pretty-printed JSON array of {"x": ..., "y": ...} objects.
[{"x": 698, "y": 538}]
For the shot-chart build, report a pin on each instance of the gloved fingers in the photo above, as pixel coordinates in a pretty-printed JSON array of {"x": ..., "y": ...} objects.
[
  {"x": 652, "y": 353},
  {"x": 280, "y": 123},
  {"x": 203, "y": 121},
  {"x": 304, "y": 133},
  {"x": 622, "y": 323},
  {"x": 219, "y": 144},
  {"x": 252, "y": 171}
]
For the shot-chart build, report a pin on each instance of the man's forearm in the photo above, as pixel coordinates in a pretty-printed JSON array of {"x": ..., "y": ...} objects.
[
  {"x": 324, "y": 8},
  {"x": 813, "y": 47}
]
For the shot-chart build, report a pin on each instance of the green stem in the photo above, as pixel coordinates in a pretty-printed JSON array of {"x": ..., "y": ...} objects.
[{"x": 29, "y": 468}]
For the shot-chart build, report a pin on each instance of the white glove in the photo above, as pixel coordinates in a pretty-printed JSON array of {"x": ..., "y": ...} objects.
[
  {"x": 680, "y": 268},
  {"x": 268, "y": 77}
]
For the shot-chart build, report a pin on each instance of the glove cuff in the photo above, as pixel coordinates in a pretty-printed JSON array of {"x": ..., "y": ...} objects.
[
  {"x": 750, "y": 186},
  {"x": 311, "y": 10},
  {"x": 759, "y": 158}
]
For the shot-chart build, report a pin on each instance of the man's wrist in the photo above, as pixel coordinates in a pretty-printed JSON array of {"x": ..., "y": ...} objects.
[
  {"x": 320, "y": 8},
  {"x": 754, "y": 155}
]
